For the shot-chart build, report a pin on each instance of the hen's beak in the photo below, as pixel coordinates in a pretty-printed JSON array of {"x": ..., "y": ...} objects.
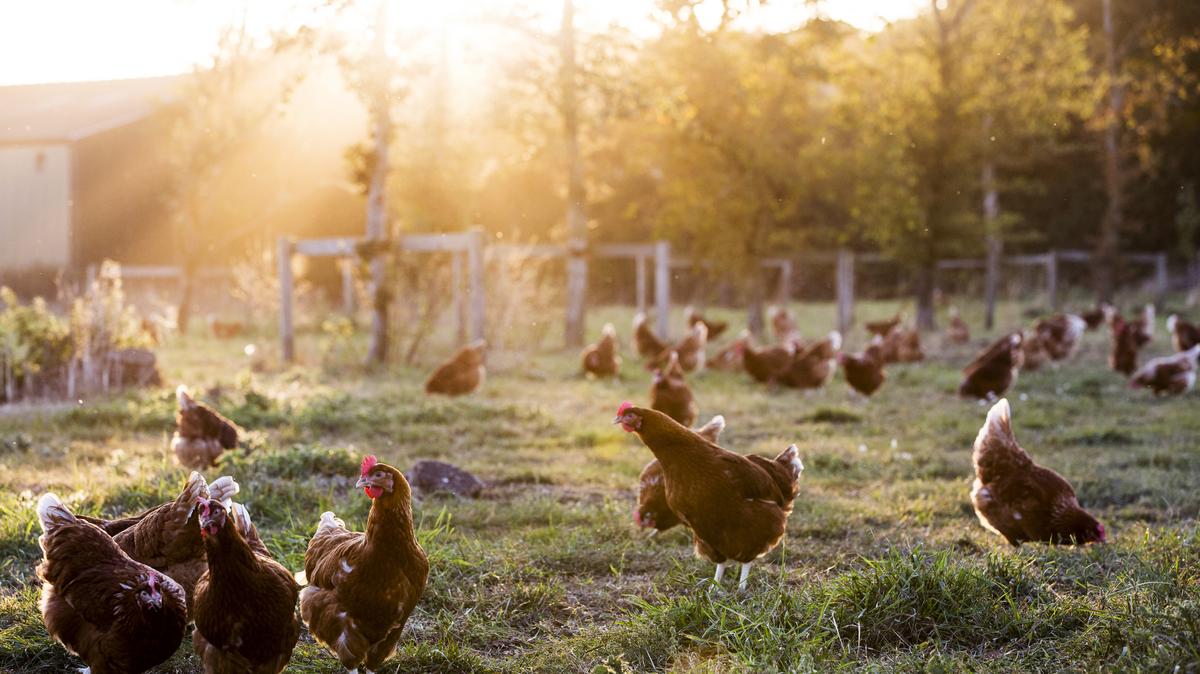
[
  {"x": 617, "y": 420},
  {"x": 363, "y": 482}
]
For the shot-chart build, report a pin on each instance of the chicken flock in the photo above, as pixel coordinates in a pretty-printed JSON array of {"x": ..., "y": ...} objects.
[{"x": 121, "y": 593}]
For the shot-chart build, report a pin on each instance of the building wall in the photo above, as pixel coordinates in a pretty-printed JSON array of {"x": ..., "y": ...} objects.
[
  {"x": 35, "y": 207},
  {"x": 121, "y": 182}
]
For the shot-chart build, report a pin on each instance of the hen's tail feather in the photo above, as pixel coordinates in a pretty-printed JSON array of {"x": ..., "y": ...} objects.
[
  {"x": 223, "y": 489},
  {"x": 835, "y": 339},
  {"x": 242, "y": 517},
  {"x": 328, "y": 519},
  {"x": 52, "y": 513},
  {"x": 195, "y": 487},
  {"x": 790, "y": 457},
  {"x": 712, "y": 430},
  {"x": 998, "y": 424}
]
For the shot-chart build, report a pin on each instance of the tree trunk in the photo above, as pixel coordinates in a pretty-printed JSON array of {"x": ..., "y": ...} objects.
[
  {"x": 187, "y": 268},
  {"x": 757, "y": 289},
  {"x": 1111, "y": 225},
  {"x": 991, "y": 226},
  {"x": 576, "y": 219},
  {"x": 924, "y": 291},
  {"x": 377, "y": 198},
  {"x": 183, "y": 312},
  {"x": 757, "y": 292}
]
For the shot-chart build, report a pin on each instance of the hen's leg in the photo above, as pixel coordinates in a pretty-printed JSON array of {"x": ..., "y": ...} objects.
[
  {"x": 745, "y": 576},
  {"x": 720, "y": 573}
]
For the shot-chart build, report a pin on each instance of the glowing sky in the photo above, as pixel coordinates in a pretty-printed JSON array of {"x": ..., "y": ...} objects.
[{"x": 65, "y": 40}]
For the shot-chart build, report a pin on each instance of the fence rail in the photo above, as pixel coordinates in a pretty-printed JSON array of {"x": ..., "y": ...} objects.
[{"x": 468, "y": 251}]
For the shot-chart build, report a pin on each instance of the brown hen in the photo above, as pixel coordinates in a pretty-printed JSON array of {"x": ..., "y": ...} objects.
[
  {"x": 245, "y": 606},
  {"x": 652, "y": 511},
  {"x": 118, "y": 615},
  {"x": 462, "y": 374},
  {"x": 362, "y": 586},
  {"x": 1020, "y": 500},
  {"x": 736, "y": 506},
  {"x": 201, "y": 433}
]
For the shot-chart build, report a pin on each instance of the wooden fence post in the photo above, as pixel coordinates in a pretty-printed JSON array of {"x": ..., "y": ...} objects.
[
  {"x": 475, "y": 279},
  {"x": 641, "y": 283},
  {"x": 845, "y": 290},
  {"x": 662, "y": 287},
  {"x": 1052, "y": 280},
  {"x": 347, "y": 266},
  {"x": 1161, "y": 279},
  {"x": 784, "y": 292},
  {"x": 460, "y": 300},
  {"x": 286, "y": 333}
]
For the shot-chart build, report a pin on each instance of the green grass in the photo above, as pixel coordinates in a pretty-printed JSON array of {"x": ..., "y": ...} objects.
[{"x": 884, "y": 568}]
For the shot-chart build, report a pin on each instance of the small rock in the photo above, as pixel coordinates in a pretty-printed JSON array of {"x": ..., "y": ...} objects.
[
  {"x": 133, "y": 367},
  {"x": 429, "y": 477}
]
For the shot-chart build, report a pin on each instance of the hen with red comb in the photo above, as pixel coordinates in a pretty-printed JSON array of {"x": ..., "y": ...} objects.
[
  {"x": 736, "y": 506},
  {"x": 364, "y": 585},
  {"x": 368, "y": 463}
]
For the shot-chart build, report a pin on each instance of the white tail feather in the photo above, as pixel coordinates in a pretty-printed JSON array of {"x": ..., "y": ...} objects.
[
  {"x": 792, "y": 456},
  {"x": 51, "y": 508},
  {"x": 999, "y": 422},
  {"x": 1078, "y": 326},
  {"x": 242, "y": 516},
  {"x": 194, "y": 479},
  {"x": 223, "y": 489},
  {"x": 328, "y": 519},
  {"x": 182, "y": 397},
  {"x": 835, "y": 338}
]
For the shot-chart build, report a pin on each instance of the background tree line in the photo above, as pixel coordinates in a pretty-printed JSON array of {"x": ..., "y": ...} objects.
[{"x": 975, "y": 128}]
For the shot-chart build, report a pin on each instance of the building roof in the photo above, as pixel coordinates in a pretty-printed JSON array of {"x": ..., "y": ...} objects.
[{"x": 69, "y": 111}]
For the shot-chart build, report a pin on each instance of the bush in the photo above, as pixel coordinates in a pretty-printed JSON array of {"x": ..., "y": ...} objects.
[
  {"x": 34, "y": 344},
  {"x": 40, "y": 352}
]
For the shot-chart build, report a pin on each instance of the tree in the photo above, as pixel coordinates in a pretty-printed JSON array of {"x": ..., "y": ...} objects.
[
  {"x": 381, "y": 83},
  {"x": 965, "y": 90},
  {"x": 915, "y": 198},
  {"x": 1030, "y": 74},
  {"x": 376, "y": 88},
  {"x": 221, "y": 111},
  {"x": 1111, "y": 225},
  {"x": 737, "y": 144},
  {"x": 576, "y": 219}
]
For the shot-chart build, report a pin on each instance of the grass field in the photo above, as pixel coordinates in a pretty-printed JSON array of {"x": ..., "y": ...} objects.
[{"x": 884, "y": 567}]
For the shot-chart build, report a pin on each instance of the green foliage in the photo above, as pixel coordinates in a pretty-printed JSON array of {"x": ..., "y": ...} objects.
[
  {"x": 101, "y": 321},
  {"x": 33, "y": 340}
]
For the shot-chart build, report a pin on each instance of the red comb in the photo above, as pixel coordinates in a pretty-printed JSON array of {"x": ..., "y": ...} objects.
[
  {"x": 368, "y": 463},
  {"x": 624, "y": 407}
]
